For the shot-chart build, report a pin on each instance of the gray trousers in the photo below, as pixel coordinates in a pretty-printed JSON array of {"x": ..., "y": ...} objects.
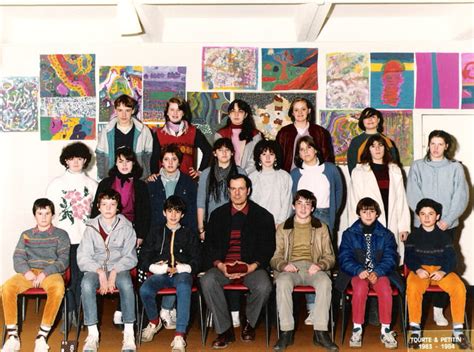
[
  {"x": 285, "y": 282},
  {"x": 212, "y": 283}
]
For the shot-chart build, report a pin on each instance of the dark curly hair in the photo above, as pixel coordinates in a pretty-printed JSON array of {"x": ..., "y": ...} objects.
[
  {"x": 127, "y": 154},
  {"x": 271, "y": 146},
  {"x": 366, "y": 157},
  {"x": 75, "y": 150}
]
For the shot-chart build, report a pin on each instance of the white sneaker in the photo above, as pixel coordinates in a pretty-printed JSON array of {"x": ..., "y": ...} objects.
[
  {"x": 178, "y": 344},
  {"x": 356, "y": 338},
  {"x": 308, "y": 320},
  {"x": 438, "y": 317},
  {"x": 118, "y": 320},
  {"x": 149, "y": 332},
  {"x": 41, "y": 345},
  {"x": 128, "y": 343},
  {"x": 91, "y": 344},
  {"x": 235, "y": 318},
  {"x": 168, "y": 317},
  {"x": 388, "y": 339},
  {"x": 12, "y": 344}
]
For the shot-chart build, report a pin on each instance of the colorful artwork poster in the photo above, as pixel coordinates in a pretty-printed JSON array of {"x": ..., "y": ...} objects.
[
  {"x": 229, "y": 68},
  {"x": 115, "y": 81},
  {"x": 392, "y": 80},
  {"x": 290, "y": 69},
  {"x": 343, "y": 126},
  {"x": 347, "y": 81},
  {"x": 67, "y": 128},
  {"x": 160, "y": 83},
  {"x": 67, "y": 75},
  {"x": 437, "y": 81},
  {"x": 71, "y": 107},
  {"x": 19, "y": 104},
  {"x": 208, "y": 110},
  {"x": 270, "y": 110},
  {"x": 398, "y": 126},
  {"x": 467, "y": 71}
]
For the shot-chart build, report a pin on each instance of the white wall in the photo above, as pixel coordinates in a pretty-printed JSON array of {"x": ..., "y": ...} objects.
[{"x": 28, "y": 164}]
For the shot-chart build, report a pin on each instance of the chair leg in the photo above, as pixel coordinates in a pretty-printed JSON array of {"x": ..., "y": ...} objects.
[
  {"x": 65, "y": 320},
  {"x": 140, "y": 325},
  {"x": 202, "y": 320},
  {"x": 331, "y": 321},
  {"x": 402, "y": 318},
  {"x": 37, "y": 305},
  {"x": 343, "y": 322},
  {"x": 23, "y": 308},
  {"x": 267, "y": 325},
  {"x": 277, "y": 321}
]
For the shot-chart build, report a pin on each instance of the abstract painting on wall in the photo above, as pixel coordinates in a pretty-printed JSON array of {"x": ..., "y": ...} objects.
[
  {"x": 161, "y": 83},
  {"x": 398, "y": 126},
  {"x": 229, "y": 68},
  {"x": 67, "y": 128},
  {"x": 67, "y": 75},
  {"x": 19, "y": 104},
  {"x": 208, "y": 110},
  {"x": 71, "y": 107},
  {"x": 347, "y": 84},
  {"x": 290, "y": 69},
  {"x": 392, "y": 80},
  {"x": 437, "y": 80},
  {"x": 115, "y": 81},
  {"x": 467, "y": 71},
  {"x": 270, "y": 110},
  {"x": 343, "y": 126}
]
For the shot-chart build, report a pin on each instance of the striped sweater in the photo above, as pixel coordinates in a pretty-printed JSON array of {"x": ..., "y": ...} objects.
[{"x": 46, "y": 250}]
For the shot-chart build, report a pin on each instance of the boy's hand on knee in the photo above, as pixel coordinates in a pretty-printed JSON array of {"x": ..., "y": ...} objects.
[
  {"x": 102, "y": 281},
  {"x": 437, "y": 275},
  {"x": 290, "y": 268},
  {"x": 422, "y": 273},
  {"x": 39, "y": 279},
  {"x": 313, "y": 269},
  {"x": 111, "y": 281},
  {"x": 373, "y": 278},
  {"x": 364, "y": 275},
  {"x": 30, "y": 276}
]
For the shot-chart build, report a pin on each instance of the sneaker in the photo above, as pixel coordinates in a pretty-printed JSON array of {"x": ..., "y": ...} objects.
[
  {"x": 41, "y": 345},
  {"x": 118, "y": 318},
  {"x": 12, "y": 344},
  {"x": 235, "y": 318},
  {"x": 356, "y": 338},
  {"x": 388, "y": 339},
  {"x": 91, "y": 344},
  {"x": 414, "y": 339},
  {"x": 150, "y": 331},
  {"x": 168, "y": 317},
  {"x": 178, "y": 344},
  {"x": 128, "y": 343},
  {"x": 438, "y": 317}
]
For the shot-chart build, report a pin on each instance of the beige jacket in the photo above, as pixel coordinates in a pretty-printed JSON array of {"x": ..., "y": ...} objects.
[{"x": 322, "y": 252}]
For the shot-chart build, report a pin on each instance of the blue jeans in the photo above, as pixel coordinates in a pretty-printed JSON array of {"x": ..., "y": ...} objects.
[
  {"x": 182, "y": 282},
  {"x": 90, "y": 283}
]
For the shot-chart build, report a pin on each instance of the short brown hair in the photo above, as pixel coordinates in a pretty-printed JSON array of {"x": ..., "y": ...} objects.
[
  {"x": 172, "y": 148},
  {"x": 110, "y": 194},
  {"x": 367, "y": 203}
]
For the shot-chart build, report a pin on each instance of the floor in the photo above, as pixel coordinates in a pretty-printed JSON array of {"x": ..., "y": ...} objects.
[{"x": 111, "y": 336}]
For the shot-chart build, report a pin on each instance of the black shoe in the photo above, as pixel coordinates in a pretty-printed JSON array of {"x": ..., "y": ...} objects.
[
  {"x": 285, "y": 340},
  {"x": 223, "y": 340},
  {"x": 322, "y": 338},
  {"x": 462, "y": 341},
  {"x": 248, "y": 333},
  {"x": 415, "y": 339}
]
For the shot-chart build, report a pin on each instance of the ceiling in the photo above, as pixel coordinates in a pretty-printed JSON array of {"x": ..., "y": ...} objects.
[{"x": 224, "y": 21}]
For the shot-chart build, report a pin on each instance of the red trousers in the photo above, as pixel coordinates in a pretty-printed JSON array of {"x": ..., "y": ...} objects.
[{"x": 359, "y": 298}]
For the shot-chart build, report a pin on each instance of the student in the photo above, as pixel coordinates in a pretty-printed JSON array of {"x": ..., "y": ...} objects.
[
  {"x": 179, "y": 130},
  {"x": 371, "y": 123},
  {"x": 40, "y": 258},
  {"x": 430, "y": 256},
  {"x": 124, "y": 131},
  {"x": 437, "y": 176},
  {"x": 124, "y": 177},
  {"x": 271, "y": 186},
  {"x": 240, "y": 129},
  {"x": 368, "y": 258},
  {"x": 72, "y": 194},
  {"x": 303, "y": 256},
  {"x": 302, "y": 115},
  {"x": 106, "y": 255},
  {"x": 171, "y": 253}
]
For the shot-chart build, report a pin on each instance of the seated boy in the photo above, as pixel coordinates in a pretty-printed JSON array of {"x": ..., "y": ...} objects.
[
  {"x": 368, "y": 259},
  {"x": 303, "y": 256},
  {"x": 106, "y": 255},
  {"x": 40, "y": 258},
  {"x": 430, "y": 256},
  {"x": 171, "y": 252}
]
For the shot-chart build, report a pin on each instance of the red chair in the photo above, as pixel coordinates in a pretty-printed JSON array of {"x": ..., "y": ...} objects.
[
  {"x": 349, "y": 292},
  {"x": 38, "y": 292},
  {"x": 242, "y": 288},
  {"x": 307, "y": 289},
  {"x": 431, "y": 288},
  {"x": 172, "y": 291}
]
